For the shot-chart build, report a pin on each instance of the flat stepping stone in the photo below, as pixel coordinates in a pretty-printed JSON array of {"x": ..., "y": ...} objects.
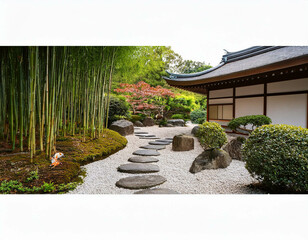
[
  {"x": 142, "y": 159},
  {"x": 146, "y": 152},
  {"x": 138, "y": 168},
  {"x": 144, "y": 135},
  {"x": 141, "y": 182},
  {"x": 163, "y": 140},
  {"x": 156, "y": 147},
  {"x": 169, "y": 139},
  {"x": 148, "y": 137},
  {"x": 141, "y": 133},
  {"x": 157, "y": 191},
  {"x": 159, "y": 143}
]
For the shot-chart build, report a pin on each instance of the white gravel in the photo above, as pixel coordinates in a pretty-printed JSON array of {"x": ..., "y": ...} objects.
[{"x": 174, "y": 166}]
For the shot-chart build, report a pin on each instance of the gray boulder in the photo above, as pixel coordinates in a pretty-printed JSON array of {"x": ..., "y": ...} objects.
[
  {"x": 169, "y": 125},
  {"x": 148, "y": 122},
  {"x": 234, "y": 148},
  {"x": 177, "y": 122},
  {"x": 138, "y": 124},
  {"x": 123, "y": 127},
  {"x": 195, "y": 130},
  {"x": 211, "y": 159},
  {"x": 182, "y": 143}
]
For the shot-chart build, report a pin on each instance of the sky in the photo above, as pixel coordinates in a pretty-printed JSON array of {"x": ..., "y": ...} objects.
[{"x": 197, "y": 30}]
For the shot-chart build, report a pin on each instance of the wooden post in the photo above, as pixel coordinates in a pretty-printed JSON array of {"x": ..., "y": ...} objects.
[
  {"x": 207, "y": 105},
  {"x": 233, "y": 113},
  {"x": 307, "y": 113},
  {"x": 265, "y": 100}
]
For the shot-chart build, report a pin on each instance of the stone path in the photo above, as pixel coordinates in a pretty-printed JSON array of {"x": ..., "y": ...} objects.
[
  {"x": 102, "y": 175},
  {"x": 142, "y": 164}
]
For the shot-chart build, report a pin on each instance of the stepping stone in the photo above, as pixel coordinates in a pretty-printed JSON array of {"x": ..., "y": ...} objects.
[
  {"x": 156, "y": 147},
  {"x": 169, "y": 139},
  {"x": 142, "y": 159},
  {"x": 137, "y": 128},
  {"x": 141, "y": 182},
  {"x": 157, "y": 191},
  {"x": 159, "y": 143},
  {"x": 148, "y": 137},
  {"x": 138, "y": 168},
  {"x": 141, "y": 133},
  {"x": 144, "y": 135},
  {"x": 163, "y": 140},
  {"x": 146, "y": 153}
]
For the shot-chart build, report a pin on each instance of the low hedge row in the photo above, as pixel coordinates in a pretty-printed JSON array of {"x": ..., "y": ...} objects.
[{"x": 254, "y": 120}]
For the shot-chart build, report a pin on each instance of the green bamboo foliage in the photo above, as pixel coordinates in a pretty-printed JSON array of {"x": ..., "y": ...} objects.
[{"x": 46, "y": 92}]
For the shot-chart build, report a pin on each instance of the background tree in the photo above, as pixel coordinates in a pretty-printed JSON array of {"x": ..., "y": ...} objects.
[
  {"x": 189, "y": 66},
  {"x": 144, "y": 98}
]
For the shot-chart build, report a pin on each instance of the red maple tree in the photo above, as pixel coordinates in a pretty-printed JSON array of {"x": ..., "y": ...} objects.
[{"x": 142, "y": 97}]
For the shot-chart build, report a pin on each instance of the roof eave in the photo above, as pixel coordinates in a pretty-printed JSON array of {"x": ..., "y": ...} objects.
[{"x": 262, "y": 69}]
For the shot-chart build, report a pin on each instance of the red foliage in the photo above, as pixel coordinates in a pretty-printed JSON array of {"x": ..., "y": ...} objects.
[{"x": 138, "y": 95}]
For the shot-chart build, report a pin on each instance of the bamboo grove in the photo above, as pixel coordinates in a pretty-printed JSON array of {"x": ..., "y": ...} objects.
[{"x": 47, "y": 92}]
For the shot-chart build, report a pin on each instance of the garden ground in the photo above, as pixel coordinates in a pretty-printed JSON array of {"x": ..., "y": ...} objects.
[
  {"x": 38, "y": 177},
  {"x": 174, "y": 166}
]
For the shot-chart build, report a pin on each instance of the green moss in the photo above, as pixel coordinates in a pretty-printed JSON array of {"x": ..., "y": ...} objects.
[{"x": 17, "y": 167}]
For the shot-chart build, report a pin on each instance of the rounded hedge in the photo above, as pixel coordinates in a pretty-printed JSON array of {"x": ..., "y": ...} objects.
[
  {"x": 211, "y": 135},
  {"x": 277, "y": 155}
]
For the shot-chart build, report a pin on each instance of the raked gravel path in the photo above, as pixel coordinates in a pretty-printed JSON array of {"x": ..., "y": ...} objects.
[{"x": 174, "y": 166}]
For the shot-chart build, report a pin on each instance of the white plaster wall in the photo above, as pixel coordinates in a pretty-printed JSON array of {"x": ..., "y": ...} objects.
[
  {"x": 220, "y": 101},
  {"x": 248, "y": 106},
  {"x": 288, "y": 109},
  {"x": 249, "y": 90},
  {"x": 228, "y": 92},
  {"x": 288, "y": 86}
]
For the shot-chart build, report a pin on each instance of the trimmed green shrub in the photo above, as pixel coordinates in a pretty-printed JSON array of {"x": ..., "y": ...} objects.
[
  {"x": 277, "y": 155},
  {"x": 201, "y": 120},
  {"x": 118, "y": 109},
  {"x": 177, "y": 116},
  {"x": 162, "y": 122},
  {"x": 254, "y": 120},
  {"x": 196, "y": 115},
  {"x": 241, "y": 139},
  {"x": 135, "y": 118},
  {"x": 211, "y": 135}
]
